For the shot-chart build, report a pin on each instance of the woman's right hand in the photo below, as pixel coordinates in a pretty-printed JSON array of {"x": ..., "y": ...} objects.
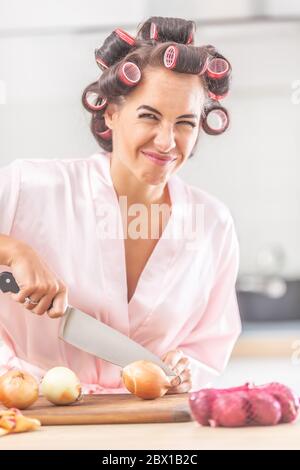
[{"x": 37, "y": 281}]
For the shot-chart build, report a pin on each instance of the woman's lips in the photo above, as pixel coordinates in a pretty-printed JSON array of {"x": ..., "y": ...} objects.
[{"x": 158, "y": 160}]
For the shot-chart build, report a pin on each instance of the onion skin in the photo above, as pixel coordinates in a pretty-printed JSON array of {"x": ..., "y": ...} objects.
[
  {"x": 265, "y": 409},
  {"x": 200, "y": 403},
  {"x": 230, "y": 410},
  {"x": 247, "y": 405},
  {"x": 289, "y": 402},
  {"x": 12, "y": 421},
  {"x": 18, "y": 389},
  {"x": 61, "y": 386},
  {"x": 146, "y": 380}
]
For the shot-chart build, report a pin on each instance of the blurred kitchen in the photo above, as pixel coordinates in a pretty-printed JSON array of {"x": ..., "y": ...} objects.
[{"x": 47, "y": 58}]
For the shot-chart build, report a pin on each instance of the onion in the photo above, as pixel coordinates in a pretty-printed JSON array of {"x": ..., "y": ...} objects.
[
  {"x": 12, "y": 420},
  {"x": 265, "y": 409},
  {"x": 289, "y": 402},
  {"x": 18, "y": 389},
  {"x": 61, "y": 386},
  {"x": 200, "y": 403},
  {"x": 263, "y": 405},
  {"x": 145, "y": 380},
  {"x": 230, "y": 410}
]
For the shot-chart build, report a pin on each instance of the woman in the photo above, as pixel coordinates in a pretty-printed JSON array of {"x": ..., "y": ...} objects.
[{"x": 84, "y": 231}]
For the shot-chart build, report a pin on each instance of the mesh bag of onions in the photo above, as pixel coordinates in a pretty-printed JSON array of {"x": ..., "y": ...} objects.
[{"x": 247, "y": 405}]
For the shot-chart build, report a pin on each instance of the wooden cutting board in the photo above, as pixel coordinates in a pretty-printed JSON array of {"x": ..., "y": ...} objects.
[{"x": 112, "y": 409}]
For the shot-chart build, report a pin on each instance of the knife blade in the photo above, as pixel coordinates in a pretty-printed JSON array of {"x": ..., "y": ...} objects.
[
  {"x": 93, "y": 336},
  {"x": 104, "y": 341}
]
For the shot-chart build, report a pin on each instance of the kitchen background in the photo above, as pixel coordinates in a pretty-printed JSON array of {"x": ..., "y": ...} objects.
[{"x": 47, "y": 58}]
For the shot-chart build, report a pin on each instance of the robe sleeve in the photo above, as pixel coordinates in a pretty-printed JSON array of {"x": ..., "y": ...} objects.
[
  {"x": 210, "y": 343},
  {"x": 9, "y": 195}
]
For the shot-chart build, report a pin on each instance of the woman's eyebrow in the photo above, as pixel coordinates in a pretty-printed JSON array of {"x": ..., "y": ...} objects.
[{"x": 153, "y": 110}]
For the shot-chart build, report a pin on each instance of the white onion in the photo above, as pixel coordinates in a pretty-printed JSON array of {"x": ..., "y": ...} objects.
[{"x": 61, "y": 386}]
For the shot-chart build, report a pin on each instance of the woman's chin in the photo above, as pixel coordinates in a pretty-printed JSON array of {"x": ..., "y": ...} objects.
[{"x": 150, "y": 178}]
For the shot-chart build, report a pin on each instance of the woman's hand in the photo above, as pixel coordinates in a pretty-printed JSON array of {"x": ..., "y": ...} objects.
[
  {"x": 181, "y": 365},
  {"x": 37, "y": 282}
]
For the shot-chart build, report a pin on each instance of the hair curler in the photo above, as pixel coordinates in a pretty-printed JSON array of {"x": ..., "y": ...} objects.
[
  {"x": 90, "y": 105},
  {"x": 125, "y": 36},
  {"x": 170, "y": 57},
  {"x": 217, "y": 68},
  {"x": 213, "y": 96},
  {"x": 216, "y": 120},
  {"x": 153, "y": 31},
  {"x": 105, "y": 135},
  {"x": 129, "y": 73}
]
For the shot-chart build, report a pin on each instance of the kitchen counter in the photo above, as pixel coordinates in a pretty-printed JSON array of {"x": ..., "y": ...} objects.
[
  {"x": 246, "y": 364},
  {"x": 155, "y": 436},
  {"x": 268, "y": 339}
]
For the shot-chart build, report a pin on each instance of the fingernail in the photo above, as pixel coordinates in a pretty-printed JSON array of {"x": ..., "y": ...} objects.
[{"x": 175, "y": 381}]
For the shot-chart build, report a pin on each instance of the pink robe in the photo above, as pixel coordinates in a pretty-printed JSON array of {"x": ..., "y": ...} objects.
[{"x": 185, "y": 297}]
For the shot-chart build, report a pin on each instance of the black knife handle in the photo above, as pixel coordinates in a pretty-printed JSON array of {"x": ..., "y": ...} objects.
[{"x": 8, "y": 283}]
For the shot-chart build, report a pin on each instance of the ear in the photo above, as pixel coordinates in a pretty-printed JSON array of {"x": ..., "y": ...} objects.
[{"x": 110, "y": 114}]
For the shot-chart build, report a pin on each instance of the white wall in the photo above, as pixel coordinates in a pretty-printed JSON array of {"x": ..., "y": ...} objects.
[
  {"x": 254, "y": 168},
  {"x": 36, "y": 15},
  {"x": 264, "y": 190}
]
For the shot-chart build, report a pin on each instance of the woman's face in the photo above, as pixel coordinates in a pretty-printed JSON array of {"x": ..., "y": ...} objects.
[{"x": 152, "y": 119}]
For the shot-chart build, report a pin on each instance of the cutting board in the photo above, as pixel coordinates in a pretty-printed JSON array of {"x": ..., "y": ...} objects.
[{"x": 113, "y": 409}]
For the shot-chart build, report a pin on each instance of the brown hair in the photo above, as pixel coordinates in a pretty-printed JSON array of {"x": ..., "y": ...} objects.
[{"x": 149, "y": 47}]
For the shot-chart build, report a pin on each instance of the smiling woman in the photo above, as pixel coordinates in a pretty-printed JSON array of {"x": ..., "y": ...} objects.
[
  {"x": 166, "y": 278},
  {"x": 161, "y": 135},
  {"x": 162, "y": 44}
]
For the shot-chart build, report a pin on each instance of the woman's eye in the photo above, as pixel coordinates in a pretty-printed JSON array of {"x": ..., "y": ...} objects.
[
  {"x": 147, "y": 115},
  {"x": 179, "y": 122},
  {"x": 187, "y": 122}
]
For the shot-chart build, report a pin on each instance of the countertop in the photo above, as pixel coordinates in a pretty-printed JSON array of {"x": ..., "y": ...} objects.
[
  {"x": 155, "y": 436},
  {"x": 189, "y": 435},
  {"x": 254, "y": 359}
]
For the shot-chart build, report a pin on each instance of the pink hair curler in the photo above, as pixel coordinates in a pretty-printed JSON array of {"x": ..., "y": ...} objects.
[
  {"x": 92, "y": 106},
  {"x": 129, "y": 73},
  {"x": 216, "y": 97},
  {"x": 217, "y": 68},
  {"x": 190, "y": 38},
  {"x": 105, "y": 135},
  {"x": 100, "y": 61},
  {"x": 170, "y": 57},
  {"x": 204, "y": 68},
  {"x": 191, "y": 35},
  {"x": 153, "y": 31},
  {"x": 125, "y": 36},
  {"x": 216, "y": 121}
]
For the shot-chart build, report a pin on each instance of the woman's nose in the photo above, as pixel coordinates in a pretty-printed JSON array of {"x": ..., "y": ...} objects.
[{"x": 165, "y": 140}]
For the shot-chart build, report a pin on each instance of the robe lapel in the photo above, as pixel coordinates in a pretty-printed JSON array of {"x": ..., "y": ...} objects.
[
  {"x": 152, "y": 286},
  {"x": 111, "y": 245}
]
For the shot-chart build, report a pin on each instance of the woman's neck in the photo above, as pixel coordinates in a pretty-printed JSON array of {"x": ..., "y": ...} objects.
[{"x": 126, "y": 184}]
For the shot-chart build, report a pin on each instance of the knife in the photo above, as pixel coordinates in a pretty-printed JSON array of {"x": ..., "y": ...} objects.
[{"x": 93, "y": 336}]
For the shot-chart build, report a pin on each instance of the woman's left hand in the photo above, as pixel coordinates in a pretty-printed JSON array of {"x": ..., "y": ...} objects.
[{"x": 180, "y": 364}]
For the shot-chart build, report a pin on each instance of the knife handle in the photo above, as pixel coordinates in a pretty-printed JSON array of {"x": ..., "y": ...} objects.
[{"x": 9, "y": 284}]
